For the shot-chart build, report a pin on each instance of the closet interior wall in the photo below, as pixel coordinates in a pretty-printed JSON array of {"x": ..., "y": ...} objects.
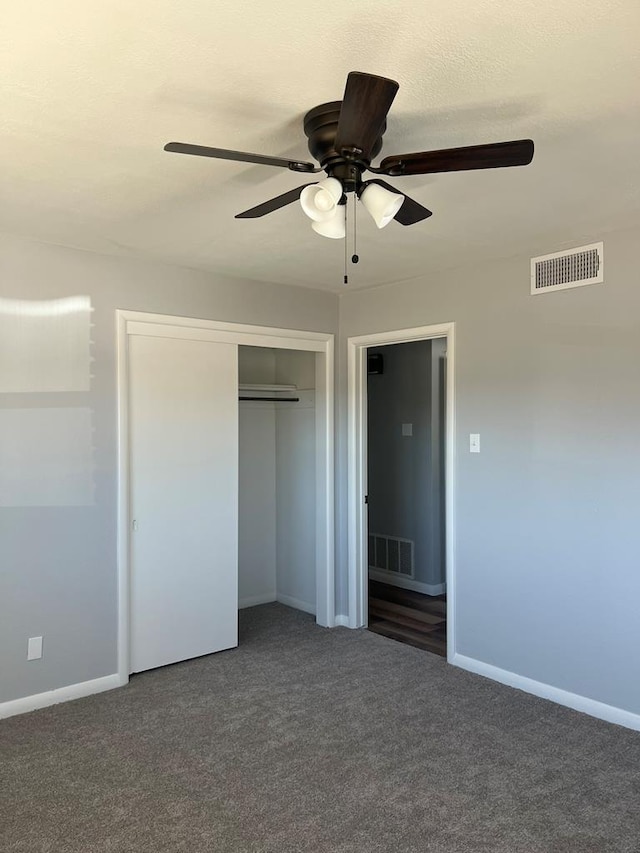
[{"x": 277, "y": 480}]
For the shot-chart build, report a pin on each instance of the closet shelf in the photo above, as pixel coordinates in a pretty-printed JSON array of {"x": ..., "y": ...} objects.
[
  {"x": 247, "y": 393},
  {"x": 268, "y": 388}
]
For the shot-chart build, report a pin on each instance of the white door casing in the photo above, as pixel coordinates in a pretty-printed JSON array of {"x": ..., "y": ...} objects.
[{"x": 357, "y": 467}]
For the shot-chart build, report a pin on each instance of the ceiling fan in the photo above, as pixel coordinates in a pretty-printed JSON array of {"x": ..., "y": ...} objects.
[{"x": 344, "y": 136}]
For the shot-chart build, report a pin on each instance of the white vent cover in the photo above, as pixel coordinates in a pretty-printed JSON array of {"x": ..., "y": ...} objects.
[
  {"x": 391, "y": 554},
  {"x": 572, "y": 268}
]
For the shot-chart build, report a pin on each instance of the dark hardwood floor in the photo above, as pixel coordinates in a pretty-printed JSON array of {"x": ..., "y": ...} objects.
[{"x": 409, "y": 617}]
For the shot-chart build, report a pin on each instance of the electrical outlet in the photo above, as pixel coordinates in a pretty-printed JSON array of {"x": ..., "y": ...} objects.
[{"x": 34, "y": 648}]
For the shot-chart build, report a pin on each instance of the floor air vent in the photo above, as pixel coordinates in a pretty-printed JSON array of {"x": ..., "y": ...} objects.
[
  {"x": 572, "y": 268},
  {"x": 391, "y": 554}
]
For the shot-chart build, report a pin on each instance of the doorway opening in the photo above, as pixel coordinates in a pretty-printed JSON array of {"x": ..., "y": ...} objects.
[
  {"x": 373, "y": 529},
  {"x": 406, "y": 419}
]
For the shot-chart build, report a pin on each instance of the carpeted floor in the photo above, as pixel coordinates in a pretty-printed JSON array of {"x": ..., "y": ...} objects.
[{"x": 305, "y": 739}]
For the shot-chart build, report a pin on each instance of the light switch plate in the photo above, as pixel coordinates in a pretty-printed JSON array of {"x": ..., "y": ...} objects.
[
  {"x": 34, "y": 648},
  {"x": 474, "y": 442},
  {"x": 407, "y": 429}
]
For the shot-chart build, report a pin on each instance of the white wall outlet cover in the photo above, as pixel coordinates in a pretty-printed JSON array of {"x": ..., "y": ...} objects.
[
  {"x": 474, "y": 442},
  {"x": 34, "y": 648},
  {"x": 407, "y": 429}
]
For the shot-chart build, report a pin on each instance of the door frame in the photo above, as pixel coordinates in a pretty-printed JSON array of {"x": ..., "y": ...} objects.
[
  {"x": 357, "y": 526},
  {"x": 187, "y": 328}
]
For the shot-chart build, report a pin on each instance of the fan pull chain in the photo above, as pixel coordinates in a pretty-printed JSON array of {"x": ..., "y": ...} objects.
[
  {"x": 346, "y": 277},
  {"x": 354, "y": 257}
]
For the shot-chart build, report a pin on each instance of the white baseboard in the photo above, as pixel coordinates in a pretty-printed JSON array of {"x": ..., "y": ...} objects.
[
  {"x": 341, "y": 621},
  {"x": 254, "y": 600},
  {"x": 538, "y": 688},
  {"x": 61, "y": 694},
  {"x": 393, "y": 579},
  {"x": 296, "y": 603}
]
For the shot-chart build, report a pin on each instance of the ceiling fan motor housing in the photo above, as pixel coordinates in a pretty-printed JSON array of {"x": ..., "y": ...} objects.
[{"x": 320, "y": 127}]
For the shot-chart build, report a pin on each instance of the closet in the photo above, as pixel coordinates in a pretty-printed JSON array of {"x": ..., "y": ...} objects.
[
  {"x": 222, "y": 489},
  {"x": 277, "y": 477}
]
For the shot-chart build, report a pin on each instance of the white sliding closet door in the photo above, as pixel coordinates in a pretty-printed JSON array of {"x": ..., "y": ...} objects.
[{"x": 183, "y": 412}]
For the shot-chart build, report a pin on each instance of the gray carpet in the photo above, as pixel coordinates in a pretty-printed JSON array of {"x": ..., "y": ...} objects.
[{"x": 305, "y": 739}]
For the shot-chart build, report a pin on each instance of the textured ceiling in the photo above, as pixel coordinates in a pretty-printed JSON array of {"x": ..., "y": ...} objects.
[{"x": 90, "y": 92}]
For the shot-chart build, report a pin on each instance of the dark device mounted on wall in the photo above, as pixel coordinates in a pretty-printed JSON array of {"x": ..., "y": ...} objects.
[{"x": 375, "y": 363}]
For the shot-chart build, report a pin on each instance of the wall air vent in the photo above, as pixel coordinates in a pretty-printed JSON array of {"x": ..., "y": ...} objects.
[
  {"x": 572, "y": 268},
  {"x": 391, "y": 554}
]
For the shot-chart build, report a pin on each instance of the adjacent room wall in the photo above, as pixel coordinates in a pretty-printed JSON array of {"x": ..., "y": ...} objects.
[
  {"x": 405, "y": 471},
  {"x": 546, "y": 516},
  {"x": 58, "y": 560}
]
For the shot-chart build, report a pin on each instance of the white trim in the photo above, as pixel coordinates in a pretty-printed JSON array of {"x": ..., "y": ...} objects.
[
  {"x": 123, "y": 513},
  {"x": 357, "y": 474},
  {"x": 297, "y": 604},
  {"x": 356, "y": 484},
  {"x": 325, "y": 605},
  {"x": 161, "y": 325},
  {"x": 61, "y": 694},
  {"x": 342, "y": 621},
  {"x": 255, "y": 600},
  {"x": 394, "y": 579},
  {"x": 546, "y": 691}
]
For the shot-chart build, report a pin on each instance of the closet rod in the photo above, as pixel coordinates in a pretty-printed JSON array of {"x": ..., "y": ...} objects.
[{"x": 273, "y": 399}]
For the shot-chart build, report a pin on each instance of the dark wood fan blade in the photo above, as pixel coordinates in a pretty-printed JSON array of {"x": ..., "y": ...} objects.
[
  {"x": 273, "y": 204},
  {"x": 242, "y": 156},
  {"x": 364, "y": 109},
  {"x": 411, "y": 210},
  {"x": 494, "y": 156}
]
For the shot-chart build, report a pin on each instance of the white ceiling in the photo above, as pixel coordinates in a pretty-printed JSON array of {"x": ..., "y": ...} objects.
[{"x": 90, "y": 92}]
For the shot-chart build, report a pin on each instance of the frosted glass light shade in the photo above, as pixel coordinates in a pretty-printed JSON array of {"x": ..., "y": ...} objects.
[
  {"x": 333, "y": 227},
  {"x": 319, "y": 201},
  {"x": 381, "y": 203}
]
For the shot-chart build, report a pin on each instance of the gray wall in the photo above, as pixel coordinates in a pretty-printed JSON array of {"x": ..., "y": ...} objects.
[
  {"x": 277, "y": 482},
  {"x": 256, "y": 481},
  {"x": 296, "y": 482},
  {"x": 405, "y": 472},
  {"x": 546, "y": 516},
  {"x": 296, "y": 501},
  {"x": 547, "y": 536},
  {"x": 58, "y": 563}
]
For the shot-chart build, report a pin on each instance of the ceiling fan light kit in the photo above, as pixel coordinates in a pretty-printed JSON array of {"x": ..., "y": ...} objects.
[
  {"x": 380, "y": 203},
  {"x": 344, "y": 137},
  {"x": 319, "y": 201},
  {"x": 333, "y": 227}
]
